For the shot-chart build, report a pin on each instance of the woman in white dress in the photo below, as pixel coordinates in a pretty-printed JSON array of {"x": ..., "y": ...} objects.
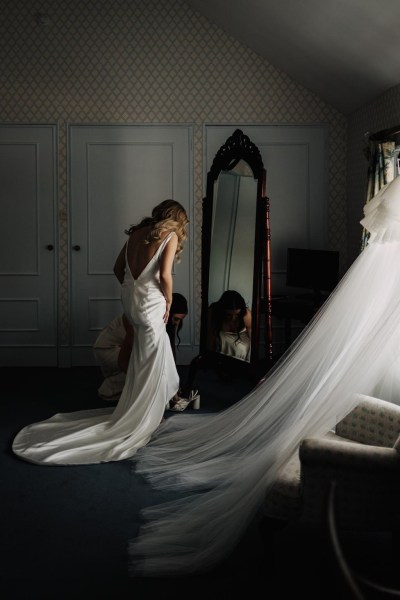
[
  {"x": 222, "y": 465},
  {"x": 144, "y": 269}
]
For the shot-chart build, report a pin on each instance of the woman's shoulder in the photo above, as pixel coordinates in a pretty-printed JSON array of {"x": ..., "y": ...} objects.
[
  {"x": 168, "y": 234},
  {"x": 167, "y": 237},
  {"x": 247, "y": 317}
]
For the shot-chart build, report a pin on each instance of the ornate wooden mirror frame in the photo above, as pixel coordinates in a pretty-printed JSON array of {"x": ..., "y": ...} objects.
[{"x": 238, "y": 148}]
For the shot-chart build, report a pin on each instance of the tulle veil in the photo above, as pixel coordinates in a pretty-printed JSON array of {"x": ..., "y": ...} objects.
[{"x": 221, "y": 466}]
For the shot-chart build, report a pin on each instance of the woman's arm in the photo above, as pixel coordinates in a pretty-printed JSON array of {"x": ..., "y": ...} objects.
[
  {"x": 247, "y": 322},
  {"x": 166, "y": 264},
  {"x": 119, "y": 266}
]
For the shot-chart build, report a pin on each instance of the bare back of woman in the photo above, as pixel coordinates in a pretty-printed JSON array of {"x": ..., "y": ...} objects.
[{"x": 140, "y": 253}]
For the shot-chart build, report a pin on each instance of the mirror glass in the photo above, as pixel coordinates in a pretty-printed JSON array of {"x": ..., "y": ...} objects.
[{"x": 232, "y": 259}]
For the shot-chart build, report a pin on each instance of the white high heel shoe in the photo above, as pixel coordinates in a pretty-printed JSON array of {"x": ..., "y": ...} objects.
[
  {"x": 194, "y": 397},
  {"x": 183, "y": 403}
]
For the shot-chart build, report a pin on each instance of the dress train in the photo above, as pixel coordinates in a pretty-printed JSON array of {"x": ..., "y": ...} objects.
[{"x": 222, "y": 465}]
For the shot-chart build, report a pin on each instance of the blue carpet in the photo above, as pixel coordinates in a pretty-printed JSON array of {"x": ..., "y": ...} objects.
[{"x": 65, "y": 527}]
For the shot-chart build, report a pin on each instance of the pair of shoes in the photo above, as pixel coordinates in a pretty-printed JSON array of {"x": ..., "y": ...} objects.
[{"x": 182, "y": 403}]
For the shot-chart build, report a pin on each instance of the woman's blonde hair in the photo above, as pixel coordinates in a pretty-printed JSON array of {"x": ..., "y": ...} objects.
[{"x": 166, "y": 216}]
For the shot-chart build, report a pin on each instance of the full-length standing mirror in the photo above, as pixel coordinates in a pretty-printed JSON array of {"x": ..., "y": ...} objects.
[{"x": 236, "y": 331}]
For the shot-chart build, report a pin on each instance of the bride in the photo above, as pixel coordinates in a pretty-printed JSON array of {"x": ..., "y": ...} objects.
[
  {"x": 222, "y": 465},
  {"x": 143, "y": 268}
]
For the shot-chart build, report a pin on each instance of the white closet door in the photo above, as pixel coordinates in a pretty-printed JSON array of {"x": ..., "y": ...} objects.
[
  {"x": 27, "y": 246},
  {"x": 118, "y": 173}
]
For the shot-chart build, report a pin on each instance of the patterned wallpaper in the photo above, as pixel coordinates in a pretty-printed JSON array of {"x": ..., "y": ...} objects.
[
  {"x": 382, "y": 113},
  {"x": 148, "y": 61}
]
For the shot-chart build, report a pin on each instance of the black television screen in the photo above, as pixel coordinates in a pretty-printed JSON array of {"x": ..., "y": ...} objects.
[{"x": 317, "y": 270}]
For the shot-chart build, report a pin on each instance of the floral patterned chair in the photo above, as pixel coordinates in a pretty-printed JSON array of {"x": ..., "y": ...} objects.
[{"x": 362, "y": 456}]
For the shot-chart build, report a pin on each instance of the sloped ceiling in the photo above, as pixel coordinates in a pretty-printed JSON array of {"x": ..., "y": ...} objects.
[{"x": 343, "y": 50}]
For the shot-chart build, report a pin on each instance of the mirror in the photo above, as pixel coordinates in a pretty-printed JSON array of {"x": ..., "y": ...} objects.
[
  {"x": 231, "y": 262},
  {"x": 236, "y": 281}
]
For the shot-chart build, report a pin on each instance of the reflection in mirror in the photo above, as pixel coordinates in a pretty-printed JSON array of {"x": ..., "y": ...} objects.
[
  {"x": 232, "y": 258},
  {"x": 229, "y": 326},
  {"x": 232, "y": 235}
]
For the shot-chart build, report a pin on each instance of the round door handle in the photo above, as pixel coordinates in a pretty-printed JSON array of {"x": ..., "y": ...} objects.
[
  {"x": 77, "y": 248},
  {"x": 49, "y": 247}
]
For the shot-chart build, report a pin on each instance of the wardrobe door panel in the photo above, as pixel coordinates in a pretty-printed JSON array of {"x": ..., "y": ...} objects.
[
  {"x": 117, "y": 175},
  {"x": 28, "y": 327}
]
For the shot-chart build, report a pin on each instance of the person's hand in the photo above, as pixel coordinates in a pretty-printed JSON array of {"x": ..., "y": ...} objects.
[{"x": 166, "y": 314}]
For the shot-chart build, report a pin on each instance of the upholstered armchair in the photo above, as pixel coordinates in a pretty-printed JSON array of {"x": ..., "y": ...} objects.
[{"x": 362, "y": 456}]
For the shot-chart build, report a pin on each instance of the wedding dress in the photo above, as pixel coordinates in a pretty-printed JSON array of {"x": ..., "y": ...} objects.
[
  {"x": 222, "y": 465},
  {"x": 102, "y": 435}
]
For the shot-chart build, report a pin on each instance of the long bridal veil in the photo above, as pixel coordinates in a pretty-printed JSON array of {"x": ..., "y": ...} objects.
[{"x": 221, "y": 466}]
